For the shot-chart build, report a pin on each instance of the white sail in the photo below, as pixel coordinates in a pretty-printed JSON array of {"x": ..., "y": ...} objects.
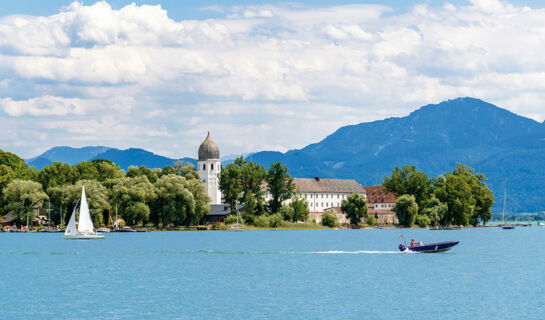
[
  {"x": 85, "y": 225},
  {"x": 71, "y": 228}
]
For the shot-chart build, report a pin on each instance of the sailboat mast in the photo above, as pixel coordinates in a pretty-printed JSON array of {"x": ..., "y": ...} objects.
[{"x": 504, "y": 200}]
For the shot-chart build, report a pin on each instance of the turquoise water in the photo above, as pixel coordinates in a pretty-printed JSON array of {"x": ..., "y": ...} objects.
[{"x": 315, "y": 274}]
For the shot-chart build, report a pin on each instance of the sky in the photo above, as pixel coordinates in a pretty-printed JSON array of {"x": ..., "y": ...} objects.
[{"x": 259, "y": 75}]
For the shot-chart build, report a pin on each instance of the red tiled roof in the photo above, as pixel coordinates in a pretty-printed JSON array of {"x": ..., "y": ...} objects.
[{"x": 376, "y": 194}]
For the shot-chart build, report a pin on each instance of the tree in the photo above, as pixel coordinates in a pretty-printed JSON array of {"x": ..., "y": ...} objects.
[
  {"x": 435, "y": 210},
  {"x": 142, "y": 171},
  {"x": 6, "y": 176},
  {"x": 409, "y": 180},
  {"x": 17, "y": 165},
  {"x": 252, "y": 177},
  {"x": 300, "y": 209},
  {"x": 107, "y": 169},
  {"x": 355, "y": 208},
  {"x": 231, "y": 185},
  {"x": 21, "y": 195},
  {"x": 133, "y": 196},
  {"x": 174, "y": 204},
  {"x": 406, "y": 209},
  {"x": 467, "y": 197},
  {"x": 57, "y": 174},
  {"x": 87, "y": 170},
  {"x": 329, "y": 220},
  {"x": 281, "y": 186}
]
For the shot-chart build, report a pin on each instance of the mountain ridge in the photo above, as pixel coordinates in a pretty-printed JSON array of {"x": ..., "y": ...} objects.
[{"x": 508, "y": 148}]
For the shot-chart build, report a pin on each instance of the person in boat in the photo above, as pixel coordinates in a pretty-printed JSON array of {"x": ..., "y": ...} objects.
[{"x": 412, "y": 242}]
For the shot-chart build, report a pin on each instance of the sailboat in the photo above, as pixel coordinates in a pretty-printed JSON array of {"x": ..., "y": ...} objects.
[
  {"x": 84, "y": 228},
  {"x": 505, "y": 226}
]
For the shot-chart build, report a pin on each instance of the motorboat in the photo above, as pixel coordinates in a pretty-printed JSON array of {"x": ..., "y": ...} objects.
[{"x": 429, "y": 248}]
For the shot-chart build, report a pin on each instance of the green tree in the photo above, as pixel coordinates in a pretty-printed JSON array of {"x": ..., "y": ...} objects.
[
  {"x": 355, "y": 208},
  {"x": 17, "y": 165},
  {"x": 329, "y": 220},
  {"x": 406, "y": 209},
  {"x": 175, "y": 203},
  {"x": 409, "y": 180},
  {"x": 20, "y": 196},
  {"x": 435, "y": 210},
  {"x": 133, "y": 195},
  {"x": 300, "y": 209},
  {"x": 142, "y": 171},
  {"x": 6, "y": 176},
  {"x": 231, "y": 185},
  {"x": 422, "y": 220},
  {"x": 107, "y": 169},
  {"x": 57, "y": 174},
  {"x": 252, "y": 177},
  {"x": 87, "y": 170},
  {"x": 280, "y": 184},
  {"x": 287, "y": 212}
]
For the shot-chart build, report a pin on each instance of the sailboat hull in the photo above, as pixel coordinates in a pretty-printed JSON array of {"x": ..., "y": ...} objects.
[{"x": 83, "y": 236}]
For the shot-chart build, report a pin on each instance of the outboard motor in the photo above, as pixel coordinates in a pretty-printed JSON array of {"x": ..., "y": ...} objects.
[{"x": 402, "y": 247}]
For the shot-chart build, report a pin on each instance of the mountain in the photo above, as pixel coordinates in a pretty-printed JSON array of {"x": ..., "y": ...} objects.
[
  {"x": 138, "y": 157},
  {"x": 507, "y": 148},
  {"x": 124, "y": 158},
  {"x": 66, "y": 154}
]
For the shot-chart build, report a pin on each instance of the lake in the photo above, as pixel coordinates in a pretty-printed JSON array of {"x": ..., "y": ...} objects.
[{"x": 300, "y": 274}]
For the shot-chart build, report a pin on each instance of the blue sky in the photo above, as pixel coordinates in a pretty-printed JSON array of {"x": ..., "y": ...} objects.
[{"x": 260, "y": 75}]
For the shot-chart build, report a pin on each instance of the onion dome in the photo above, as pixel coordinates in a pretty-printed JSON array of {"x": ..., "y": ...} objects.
[{"x": 209, "y": 150}]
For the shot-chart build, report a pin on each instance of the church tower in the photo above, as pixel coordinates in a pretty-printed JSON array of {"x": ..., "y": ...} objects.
[{"x": 209, "y": 167}]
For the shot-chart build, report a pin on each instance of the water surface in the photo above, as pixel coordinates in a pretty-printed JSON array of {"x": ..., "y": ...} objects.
[{"x": 304, "y": 274}]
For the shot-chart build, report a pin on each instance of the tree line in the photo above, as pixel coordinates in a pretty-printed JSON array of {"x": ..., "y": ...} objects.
[
  {"x": 457, "y": 197},
  {"x": 171, "y": 196}
]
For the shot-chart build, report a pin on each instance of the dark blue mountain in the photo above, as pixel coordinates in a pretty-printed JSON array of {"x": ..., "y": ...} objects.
[
  {"x": 66, "y": 154},
  {"x": 507, "y": 148},
  {"x": 138, "y": 157},
  {"x": 124, "y": 158}
]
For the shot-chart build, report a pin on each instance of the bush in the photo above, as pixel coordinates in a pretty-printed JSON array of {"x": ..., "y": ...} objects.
[
  {"x": 329, "y": 220},
  {"x": 370, "y": 220},
  {"x": 422, "y": 221},
  {"x": 276, "y": 220},
  {"x": 231, "y": 219},
  {"x": 248, "y": 218},
  {"x": 261, "y": 221},
  {"x": 287, "y": 212}
]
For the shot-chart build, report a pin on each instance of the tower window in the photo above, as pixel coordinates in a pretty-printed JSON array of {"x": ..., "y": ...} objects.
[
  {"x": 204, "y": 166},
  {"x": 212, "y": 166}
]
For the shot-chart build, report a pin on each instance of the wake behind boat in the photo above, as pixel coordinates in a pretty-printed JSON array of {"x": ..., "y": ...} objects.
[
  {"x": 84, "y": 228},
  {"x": 427, "y": 248}
]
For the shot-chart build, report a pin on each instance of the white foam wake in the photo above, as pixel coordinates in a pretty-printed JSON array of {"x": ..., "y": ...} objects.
[{"x": 353, "y": 252}]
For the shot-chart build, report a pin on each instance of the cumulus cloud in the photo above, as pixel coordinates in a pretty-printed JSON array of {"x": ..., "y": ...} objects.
[{"x": 276, "y": 75}]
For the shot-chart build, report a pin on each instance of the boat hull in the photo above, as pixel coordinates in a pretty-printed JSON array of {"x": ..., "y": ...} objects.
[
  {"x": 83, "y": 236},
  {"x": 430, "y": 248}
]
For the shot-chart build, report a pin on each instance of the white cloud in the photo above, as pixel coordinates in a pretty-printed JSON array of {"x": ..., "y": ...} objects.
[{"x": 277, "y": 75}]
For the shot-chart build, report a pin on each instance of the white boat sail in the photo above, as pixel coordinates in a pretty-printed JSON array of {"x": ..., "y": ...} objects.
[{"x": 85, "y": 228}]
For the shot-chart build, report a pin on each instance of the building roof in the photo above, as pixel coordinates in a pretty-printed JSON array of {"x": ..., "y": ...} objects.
[
  {"x": 222, "y": 209},
  {"x": 376, "y": 194},
  {"x": 209, "y": 149},
  {"x": 317, "y": 185}
]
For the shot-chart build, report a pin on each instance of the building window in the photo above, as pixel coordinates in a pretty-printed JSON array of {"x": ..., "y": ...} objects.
[
  {"x": 322, "y": 195},
  {"x": 212, "y": 166},
  {"x": 204, "y": 166},
  {"x": 338, "y": 196},
  {"x": 327, "y": 204},
  {"x": 322, "y": 204}
]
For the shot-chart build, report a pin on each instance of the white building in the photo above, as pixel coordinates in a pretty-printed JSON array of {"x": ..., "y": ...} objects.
[
  {"x": 322, "y": 194},
  {"x": 209, "y": 167}
]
